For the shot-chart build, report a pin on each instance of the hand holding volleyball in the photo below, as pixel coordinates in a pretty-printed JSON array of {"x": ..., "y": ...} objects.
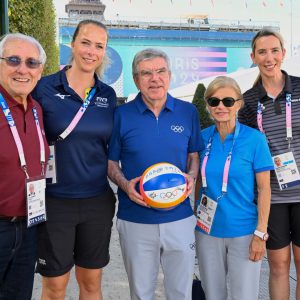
[{"x": 163, "y": 186}]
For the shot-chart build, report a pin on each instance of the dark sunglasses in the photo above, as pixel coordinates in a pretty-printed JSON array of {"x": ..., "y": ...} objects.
[
  {"x": 227, "y": 101},
  {"x": 15, "y": 61}
]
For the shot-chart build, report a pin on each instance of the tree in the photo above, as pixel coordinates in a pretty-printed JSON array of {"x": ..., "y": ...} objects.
[
  {"x": 36, "y": 18},
  {"x": 199, "y": 102}
]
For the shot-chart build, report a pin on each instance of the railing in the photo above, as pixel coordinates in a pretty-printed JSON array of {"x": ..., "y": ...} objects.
[
  {"x": 182, "y": 23},
  {"x": 85, "y": 2}
]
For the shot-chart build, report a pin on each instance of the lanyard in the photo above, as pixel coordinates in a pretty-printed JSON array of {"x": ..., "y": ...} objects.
[
  {"x": 288, "y": 117},
  {"x": 16, "y": 136},
  {"x": 78, "y": 115},
  {"x": 227, "y": 163}
]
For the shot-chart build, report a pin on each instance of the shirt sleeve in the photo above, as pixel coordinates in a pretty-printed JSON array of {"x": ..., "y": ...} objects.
[
  {"x": 262, "y": 156},
  {"x": 196, "y": 141},
  {"x": 36, "y": 93},
  {"x": 114, "y": 148},
  {"x": 242, "y": 116},
  {"x": 247, "y": 114}
]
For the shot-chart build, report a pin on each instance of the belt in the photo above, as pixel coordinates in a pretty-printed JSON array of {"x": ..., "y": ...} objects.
[{"x": 12, "y": 219}]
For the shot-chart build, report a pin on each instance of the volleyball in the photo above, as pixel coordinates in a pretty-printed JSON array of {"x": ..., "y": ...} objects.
[{"x": 163, "y": 186}]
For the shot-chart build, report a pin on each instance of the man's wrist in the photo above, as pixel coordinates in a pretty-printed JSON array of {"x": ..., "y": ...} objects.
[{"x": 192, "y": 173}]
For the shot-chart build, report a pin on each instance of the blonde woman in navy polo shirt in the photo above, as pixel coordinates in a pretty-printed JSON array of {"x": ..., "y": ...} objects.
[
  {"x": 231, "y": 226},
  {"x": 78, "y": 112},
  {"x": 272, "y": 105}
]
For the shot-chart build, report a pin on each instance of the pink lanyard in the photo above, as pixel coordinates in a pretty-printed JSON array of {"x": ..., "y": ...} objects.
[
  {"x": 78, "y": 115},
  {"x": 227, "y": 163},
  {"x": 288, "y": 117},
  {"x": 16, "y": 136}
]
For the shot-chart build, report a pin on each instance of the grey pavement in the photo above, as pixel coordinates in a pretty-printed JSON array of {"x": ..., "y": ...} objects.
[{"x": 115, "y": 284}]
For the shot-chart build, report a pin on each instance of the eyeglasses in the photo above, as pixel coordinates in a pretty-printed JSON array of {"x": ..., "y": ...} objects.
[
  {"x": 147, "y": 74},
  {"x": 227, "y": 101},
  {"x": 15, "y": 61}
]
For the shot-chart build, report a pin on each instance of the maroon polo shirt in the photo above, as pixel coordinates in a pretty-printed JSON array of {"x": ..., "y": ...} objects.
[{"x": 12, "y": 177}]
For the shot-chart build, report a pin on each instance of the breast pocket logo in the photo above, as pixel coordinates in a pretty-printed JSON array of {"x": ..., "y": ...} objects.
[
  {"x": 177, "y": 128},
  {"x": 101, "y": 102}
]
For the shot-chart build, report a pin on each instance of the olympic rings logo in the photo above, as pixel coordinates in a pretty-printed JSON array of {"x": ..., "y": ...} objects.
[
  {"x": 177, "y": 128},
  {"x": 170, "y": 195}
]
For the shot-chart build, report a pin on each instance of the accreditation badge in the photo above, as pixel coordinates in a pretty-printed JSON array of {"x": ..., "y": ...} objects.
[
  {"x": 286, "y": 170},
  {"x": 51, "y": 167},
  {"x": 36, "y": 204},
  {"x": 206, "y": 212}
]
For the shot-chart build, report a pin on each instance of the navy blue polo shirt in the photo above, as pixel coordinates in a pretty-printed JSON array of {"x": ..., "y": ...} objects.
[
  {"x": 81, "y": 159},
  {"x": 140, "y": 140}
]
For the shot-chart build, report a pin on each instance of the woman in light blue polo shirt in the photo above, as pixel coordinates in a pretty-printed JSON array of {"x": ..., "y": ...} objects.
[{"x": 232, "y": 218}]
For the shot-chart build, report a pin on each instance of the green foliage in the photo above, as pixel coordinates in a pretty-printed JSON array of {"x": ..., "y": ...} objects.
[
  {"x": 36, "y": 18},
  {"x": 199, "y": 102}
]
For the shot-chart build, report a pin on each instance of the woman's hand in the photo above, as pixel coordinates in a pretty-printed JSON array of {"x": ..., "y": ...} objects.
[
  {"x": 190, "y": 181},
  {"x": 257, "y": 249}
]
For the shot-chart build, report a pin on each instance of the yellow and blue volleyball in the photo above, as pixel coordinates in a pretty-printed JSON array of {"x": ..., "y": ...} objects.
[{"x": 163, "y": 186}]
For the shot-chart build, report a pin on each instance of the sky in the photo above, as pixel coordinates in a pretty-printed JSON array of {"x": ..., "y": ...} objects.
[{"x": 285, "y": 12}]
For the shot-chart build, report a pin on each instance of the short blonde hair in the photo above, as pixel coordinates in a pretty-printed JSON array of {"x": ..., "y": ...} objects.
[{"x": 223, "y": 82}]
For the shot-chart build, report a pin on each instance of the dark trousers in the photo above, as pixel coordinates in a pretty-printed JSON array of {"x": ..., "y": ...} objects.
[{"x": 18, "y": 251}]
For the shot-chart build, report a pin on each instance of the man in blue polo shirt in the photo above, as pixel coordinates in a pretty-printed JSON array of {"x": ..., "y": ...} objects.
[{"x": 153, "y": 128}]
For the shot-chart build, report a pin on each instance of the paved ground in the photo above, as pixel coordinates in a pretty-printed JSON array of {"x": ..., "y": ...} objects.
[{"x": 115, "y": 285}]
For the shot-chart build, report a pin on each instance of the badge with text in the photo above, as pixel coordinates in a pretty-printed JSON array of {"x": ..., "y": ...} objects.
[
  {"x": 286, "y": 170},
  {"x": 36, "y": 206},
  {"x": 205, "y": 213},
  {"x": 51, "y": 167}
]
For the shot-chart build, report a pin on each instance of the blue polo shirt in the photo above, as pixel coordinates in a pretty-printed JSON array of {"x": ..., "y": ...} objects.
[
  {"x": 140, "y": 140},
  {"x": 236, "y": 213},
  {"x": 81, "y": 159}
]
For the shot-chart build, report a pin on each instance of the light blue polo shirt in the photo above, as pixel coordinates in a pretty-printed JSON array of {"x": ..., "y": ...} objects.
[
  {"x": 139, "y": 140},
  {"x": 236, "y": 213}
]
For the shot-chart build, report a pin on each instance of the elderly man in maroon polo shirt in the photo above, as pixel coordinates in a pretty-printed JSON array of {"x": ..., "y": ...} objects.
[{"x": 24, "y": 152}]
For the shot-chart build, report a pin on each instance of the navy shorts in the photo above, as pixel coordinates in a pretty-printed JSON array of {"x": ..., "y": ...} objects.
[
  {"x": 77, "y": 232},
  {"x": 284, "y": 225}
]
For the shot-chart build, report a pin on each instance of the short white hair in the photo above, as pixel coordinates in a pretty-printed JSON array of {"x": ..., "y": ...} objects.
[{"x": 23, "y": 37}]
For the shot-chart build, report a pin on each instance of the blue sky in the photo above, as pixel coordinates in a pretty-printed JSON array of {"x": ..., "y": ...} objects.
[{"x": 286, "y": 12}]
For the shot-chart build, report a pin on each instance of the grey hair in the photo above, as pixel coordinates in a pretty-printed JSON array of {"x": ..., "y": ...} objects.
[
  {"x": 146, "y": 54},
  {"x": 19, "y": 36},
  {"x": 223, "y": 82}
]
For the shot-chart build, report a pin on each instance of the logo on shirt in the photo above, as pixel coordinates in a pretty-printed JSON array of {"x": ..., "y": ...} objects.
[
  {"x": 42, "y": 261},
  {"x": 295, "y": 100},
  {"x": 62, "y": 97},
  {"x": 177, "y": 128},
  {"x": 101, "y": 102}
]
